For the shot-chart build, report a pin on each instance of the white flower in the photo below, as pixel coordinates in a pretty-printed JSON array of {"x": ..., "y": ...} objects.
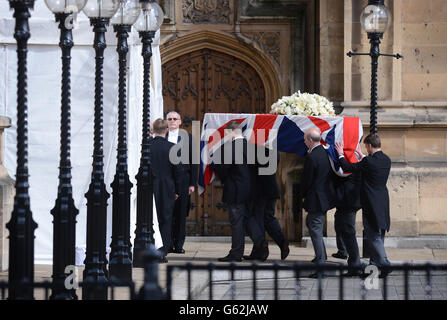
[{"x": 303, "y": 104}]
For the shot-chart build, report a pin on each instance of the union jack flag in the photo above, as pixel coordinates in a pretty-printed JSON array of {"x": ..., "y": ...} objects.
[{"x": 285, "y": 133}]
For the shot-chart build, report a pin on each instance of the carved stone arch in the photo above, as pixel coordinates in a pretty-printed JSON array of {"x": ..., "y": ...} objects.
[{"x": 238, "y": 47}]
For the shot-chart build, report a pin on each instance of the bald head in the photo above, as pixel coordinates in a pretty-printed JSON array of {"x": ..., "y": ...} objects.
[
  {"x": 313, "y": 134},
  {"x": 312, "y": 137}
]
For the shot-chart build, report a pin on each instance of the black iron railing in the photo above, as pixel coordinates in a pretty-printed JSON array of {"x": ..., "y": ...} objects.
[
  {"x": 298, "y": 274},
  {"x": 302, "y": 271}
]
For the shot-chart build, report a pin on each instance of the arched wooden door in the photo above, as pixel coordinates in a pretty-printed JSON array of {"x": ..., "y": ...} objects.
[{"x": 206, "y": 81}]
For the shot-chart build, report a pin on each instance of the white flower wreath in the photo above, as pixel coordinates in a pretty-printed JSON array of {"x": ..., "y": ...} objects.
[{"x": 303, "y": 104}]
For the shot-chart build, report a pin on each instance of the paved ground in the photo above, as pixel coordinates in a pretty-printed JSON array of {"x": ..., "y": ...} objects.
[{"x": 289, "y": 287}]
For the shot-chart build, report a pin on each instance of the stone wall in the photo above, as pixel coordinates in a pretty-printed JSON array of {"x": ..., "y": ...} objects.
[{"x": 7, "y": 192}]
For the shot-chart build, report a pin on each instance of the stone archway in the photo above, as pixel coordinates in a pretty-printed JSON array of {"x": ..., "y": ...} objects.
[{"x": 232, "y": 46}]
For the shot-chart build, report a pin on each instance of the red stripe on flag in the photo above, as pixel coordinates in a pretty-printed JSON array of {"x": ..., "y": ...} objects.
[
  {"x": 263, "y": 122},
  {"x": 350, "y": 137},
  {"x": 207, "y": 175},
  {"x": 323, "y": 125},
  {"x": 219, "y": 133}
]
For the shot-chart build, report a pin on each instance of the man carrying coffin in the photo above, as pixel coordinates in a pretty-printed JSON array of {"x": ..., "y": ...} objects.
[
  {"x": 374, "y": 197},
  {"x": 233, "y": 170},
  {"x": 318, "y": 191},
  {"x": 266, "y": 193}
]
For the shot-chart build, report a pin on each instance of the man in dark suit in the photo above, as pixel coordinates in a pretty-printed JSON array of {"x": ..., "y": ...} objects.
[
  {"x": 166, "y": 182},
  {"x": 237, "y": 178},
  {"x": 188, "y": 179},
  {"x": 348, "y": 203},
  {"x": 375, "y": 169},
  {"x": 317, "y": 189},
  {"x": 266, "y": 193}
]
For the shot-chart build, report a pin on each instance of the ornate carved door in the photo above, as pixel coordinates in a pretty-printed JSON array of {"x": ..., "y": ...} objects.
[{"x": 209, "y": 81}]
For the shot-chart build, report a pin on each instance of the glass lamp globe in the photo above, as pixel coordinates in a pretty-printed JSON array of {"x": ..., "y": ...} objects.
[
  {"x": 374, "y": 18},
  {"x": 101, "y": 8},
  {"x": 151, "y": 17},
  {"x": 65, "y": 6},
  {"x": 127, "y": 13}
]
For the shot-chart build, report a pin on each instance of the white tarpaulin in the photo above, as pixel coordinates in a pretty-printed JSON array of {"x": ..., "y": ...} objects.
[{"x": 44, "y": 78}]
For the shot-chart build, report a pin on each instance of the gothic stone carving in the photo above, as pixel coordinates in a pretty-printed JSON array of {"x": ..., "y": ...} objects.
[
  {"x": 269, "y": 43},
  {"x": 206, "y": 11}
]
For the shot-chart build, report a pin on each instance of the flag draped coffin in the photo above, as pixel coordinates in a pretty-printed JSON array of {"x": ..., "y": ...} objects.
[{"x": 282, "y": 132}]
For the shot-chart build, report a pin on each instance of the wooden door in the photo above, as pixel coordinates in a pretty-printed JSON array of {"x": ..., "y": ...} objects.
[{"x": 207, "y": 81}]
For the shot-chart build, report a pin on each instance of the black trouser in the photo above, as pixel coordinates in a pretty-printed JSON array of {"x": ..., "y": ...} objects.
[
  {"x": 264, "y": 211},
  {"x": 338, "y": 225},
  {"x": 376, "y": 242},
  {"x": 346, "y": 222},
  {"x": 165, "y": 226},
  {"x": 241, "y": 220},
  {"x": 179, "y": 221}
]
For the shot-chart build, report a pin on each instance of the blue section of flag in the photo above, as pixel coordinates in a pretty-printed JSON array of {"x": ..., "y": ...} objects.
[
  {"x": 201, "y": 181},
  {"x": 291, "y": 138},
  {"x": 330, "y": 140}
]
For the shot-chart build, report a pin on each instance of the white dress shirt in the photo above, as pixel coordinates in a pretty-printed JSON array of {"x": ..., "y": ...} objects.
[{"x": 173, "y": 136}]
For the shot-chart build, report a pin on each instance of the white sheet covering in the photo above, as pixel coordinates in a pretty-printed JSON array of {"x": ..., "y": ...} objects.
[{"x": 44, "y": 75}]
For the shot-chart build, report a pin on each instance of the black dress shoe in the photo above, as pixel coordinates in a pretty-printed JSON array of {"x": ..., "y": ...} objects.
[
  {"x": 229, "y": 259},
  {"x": 285, "y": 250},
  {"x": 250, "y": 257},
  {"x": 171, "y": 250},
  {"x": 340, "y": 255},
  {"x": 315, "y": 275},
  {"x": 384, "y": 273},
  {"x": 178, "y": 250},
  {"x": 264, "y": 254},
  {"x": 352, "y": 274}
]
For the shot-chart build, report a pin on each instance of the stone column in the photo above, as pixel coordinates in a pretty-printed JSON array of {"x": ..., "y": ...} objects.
[{"x": 7, "y": 193}]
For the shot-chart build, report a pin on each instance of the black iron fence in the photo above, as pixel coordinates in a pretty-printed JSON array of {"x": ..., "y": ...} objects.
[
  {"x": 298, "y": 274},
  {"x": 309, "y": 272}
]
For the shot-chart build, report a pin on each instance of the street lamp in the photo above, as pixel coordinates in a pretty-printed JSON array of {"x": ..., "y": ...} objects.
[
  {"x": 21, "y": 226},
  {"x": 150, "y": 20},
  {"x": 120, "y": 266},
  {"x": 374, "y": 19},
  {"x": 95, "y": 272},
  {"x": 64, "y": 211}
]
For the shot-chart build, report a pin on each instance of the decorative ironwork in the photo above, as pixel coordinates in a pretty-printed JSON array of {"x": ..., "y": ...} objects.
[
  {"x": 144, "y": 233},
  {"x": 96, "y": 262},
  {"x": 120, "y": 265},
  {"x": 64, "y": 212},
  {"x": 21, "y": 226}
]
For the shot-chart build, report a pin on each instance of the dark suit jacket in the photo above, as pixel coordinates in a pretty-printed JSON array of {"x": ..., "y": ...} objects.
[
  {"x": 317, "y": 182},
  {"x": 348, "y": 191},
  {"x": 236, "y": 178},
  {"x": 266, "y": 186},
  {"x": 374, "y": 195},
  {"x": 165, "y": 177},
  {"x": 189, "y": 170}
]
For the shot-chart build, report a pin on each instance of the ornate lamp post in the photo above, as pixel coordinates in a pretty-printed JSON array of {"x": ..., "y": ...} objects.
[
  {"x": 95, "y": 272},
  {"x": 120, "y": 266},
  {"x": 374, "y": 19},
  {"x": 64, "y": 211},
  {"x": 21, "y": 226},
  {"x": 150, "y": 20}
]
